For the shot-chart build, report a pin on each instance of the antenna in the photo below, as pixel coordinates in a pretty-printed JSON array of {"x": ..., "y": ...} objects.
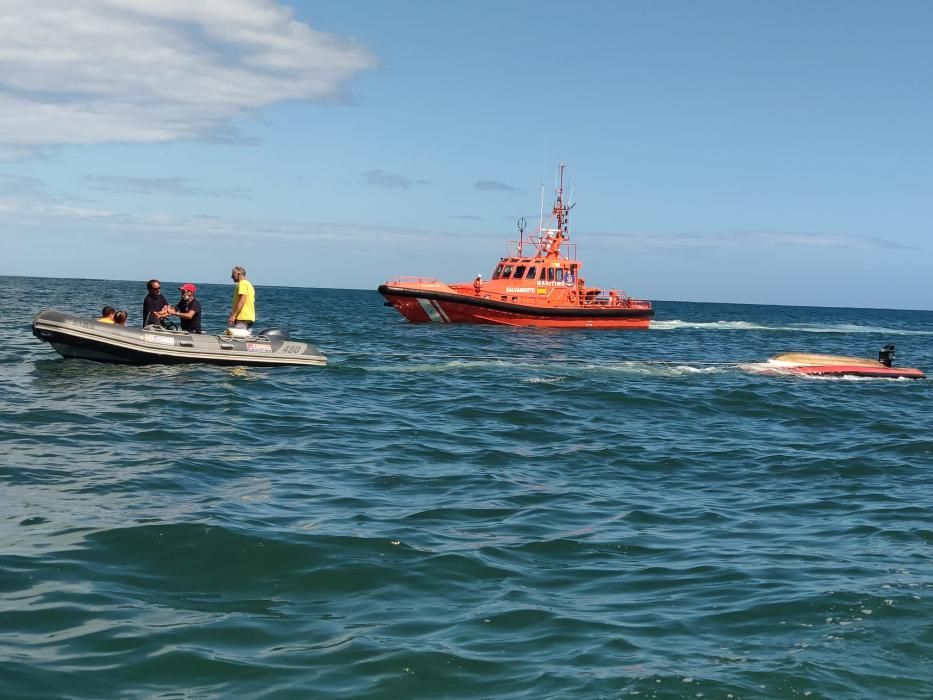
[
  {"x": 541, "y": 215},
  {"x": 567, "y": 209}
]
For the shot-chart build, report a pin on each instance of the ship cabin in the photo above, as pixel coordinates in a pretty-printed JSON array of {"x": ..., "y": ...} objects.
[
  {"x": 547, "y": 276},
  {"x": 542, "y": 272}
]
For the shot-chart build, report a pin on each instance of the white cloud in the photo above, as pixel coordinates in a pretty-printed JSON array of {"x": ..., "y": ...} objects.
[
  {"x": 100, "y": 71},
  {"x": 177, "y": 186},
  {"x": 26, "y": 203},
  {"x": 692, "y": 242},
  {"x": 495, "y": 186},
  {"x": 391, "y": 181}
]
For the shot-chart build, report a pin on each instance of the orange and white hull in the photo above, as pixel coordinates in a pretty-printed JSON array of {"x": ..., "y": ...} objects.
[
  {"x": 538, "y": 283},
  {"x": 423, "y": 305}
]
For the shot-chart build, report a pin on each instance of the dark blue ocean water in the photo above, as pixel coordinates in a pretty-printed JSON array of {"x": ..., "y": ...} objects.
[{"x": 467, "y": 512}]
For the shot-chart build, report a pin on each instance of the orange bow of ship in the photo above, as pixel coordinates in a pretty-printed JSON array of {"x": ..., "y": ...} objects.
[{"x": 538, "y": 283}]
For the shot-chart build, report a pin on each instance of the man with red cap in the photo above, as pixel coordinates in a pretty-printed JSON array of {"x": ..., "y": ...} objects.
[{"x": 188, "y": 309}]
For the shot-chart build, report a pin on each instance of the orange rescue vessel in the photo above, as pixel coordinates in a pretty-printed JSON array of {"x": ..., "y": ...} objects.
[{"x": 543, "y": 288}]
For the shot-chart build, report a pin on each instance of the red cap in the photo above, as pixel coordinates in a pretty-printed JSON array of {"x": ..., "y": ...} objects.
[{"x": 188, "y": 287}]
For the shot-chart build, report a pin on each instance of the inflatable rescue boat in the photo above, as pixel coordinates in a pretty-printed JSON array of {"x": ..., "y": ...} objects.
[{"x": 73, "y": 336}]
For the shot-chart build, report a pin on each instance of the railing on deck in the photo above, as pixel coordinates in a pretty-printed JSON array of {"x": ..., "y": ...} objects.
[
  {"x": 413, "y": 280},
  {"x": 530, "y": 247},
  {"x": 620, "y": 301}
]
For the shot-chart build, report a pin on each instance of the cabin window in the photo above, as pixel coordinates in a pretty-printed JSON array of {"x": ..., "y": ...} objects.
[
  {"x": 559, "y": 274},
  {"x": 531, "y": 273},
  {"x": 550, "y": 274},
  {"x": 497, "y": 273},
  {"x": 519, "y": 272},
  {"x": 507, "y": 272}
]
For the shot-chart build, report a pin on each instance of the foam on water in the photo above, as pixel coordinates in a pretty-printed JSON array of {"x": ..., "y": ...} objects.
[
  {"x": 522, "y": 366},
  {"x": 675, "y": 325},
  {"x": 847, "y": 328}
]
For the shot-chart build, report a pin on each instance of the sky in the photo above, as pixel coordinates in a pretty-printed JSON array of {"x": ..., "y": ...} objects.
[{"x": 768, "y": 152}]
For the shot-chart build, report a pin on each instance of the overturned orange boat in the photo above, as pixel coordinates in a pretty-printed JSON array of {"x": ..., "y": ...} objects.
[
  {"x": 543, "y": 288},
  {"x": 816, "y": 365}
]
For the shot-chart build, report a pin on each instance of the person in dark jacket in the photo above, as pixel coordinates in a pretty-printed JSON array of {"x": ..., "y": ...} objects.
[
  {"x": 155, "y": 306},
  {"x": 188, "y": 309}
]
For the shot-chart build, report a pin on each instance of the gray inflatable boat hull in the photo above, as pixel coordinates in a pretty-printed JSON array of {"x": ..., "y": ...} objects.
[{"x": 73, "y": 336}]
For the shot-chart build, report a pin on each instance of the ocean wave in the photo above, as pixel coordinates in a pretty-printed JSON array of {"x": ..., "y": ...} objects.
[{"x": 466, "y": 512}]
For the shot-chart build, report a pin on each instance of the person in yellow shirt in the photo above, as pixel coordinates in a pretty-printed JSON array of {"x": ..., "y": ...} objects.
[
  {"x": 244, "y": 301},
  {"x": 106, "y": 315}
]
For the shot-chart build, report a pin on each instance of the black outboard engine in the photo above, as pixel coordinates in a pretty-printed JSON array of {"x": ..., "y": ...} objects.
[
  {"x": 886, "y": 355},
  {"x": 274, "y": 334}
]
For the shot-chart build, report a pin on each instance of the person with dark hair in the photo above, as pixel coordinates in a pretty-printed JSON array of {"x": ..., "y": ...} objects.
[
  {"x": 243, "y": 314},
  {"x": 119, "y": 318},
  {"x": 188, "y": 309},
  {"x": 106, "y": 315},
  {"x": 154, "y": 305}
]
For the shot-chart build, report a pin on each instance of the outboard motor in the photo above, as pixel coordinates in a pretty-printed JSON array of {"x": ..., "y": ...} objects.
[
  {"x": 886, "y": 355},
  {"x": 274, "y": 334}
]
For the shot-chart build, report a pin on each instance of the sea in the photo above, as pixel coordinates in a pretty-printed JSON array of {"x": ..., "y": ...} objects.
[{"x": 466, "y": 511}]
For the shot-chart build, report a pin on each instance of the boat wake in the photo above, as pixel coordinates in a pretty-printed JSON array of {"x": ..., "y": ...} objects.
[
  {"x": 544, "y": 380},
  {"x": 660, "y": 368},
  {"x": 441, "y": 365},
  {"x": 553, "y": 371},
  {"x": 559, "y": 367},
  {"x": 675, "y": 325}
]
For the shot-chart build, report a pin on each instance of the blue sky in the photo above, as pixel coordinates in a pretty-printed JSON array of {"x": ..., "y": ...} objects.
[{"x": 749, "y": 152}]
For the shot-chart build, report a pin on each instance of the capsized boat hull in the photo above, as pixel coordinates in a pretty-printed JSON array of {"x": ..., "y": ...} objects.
[
  {"x": 75, "y": 337},
  {"x": 812, "y": 364},
  {"x": 420, "y": 305}
]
